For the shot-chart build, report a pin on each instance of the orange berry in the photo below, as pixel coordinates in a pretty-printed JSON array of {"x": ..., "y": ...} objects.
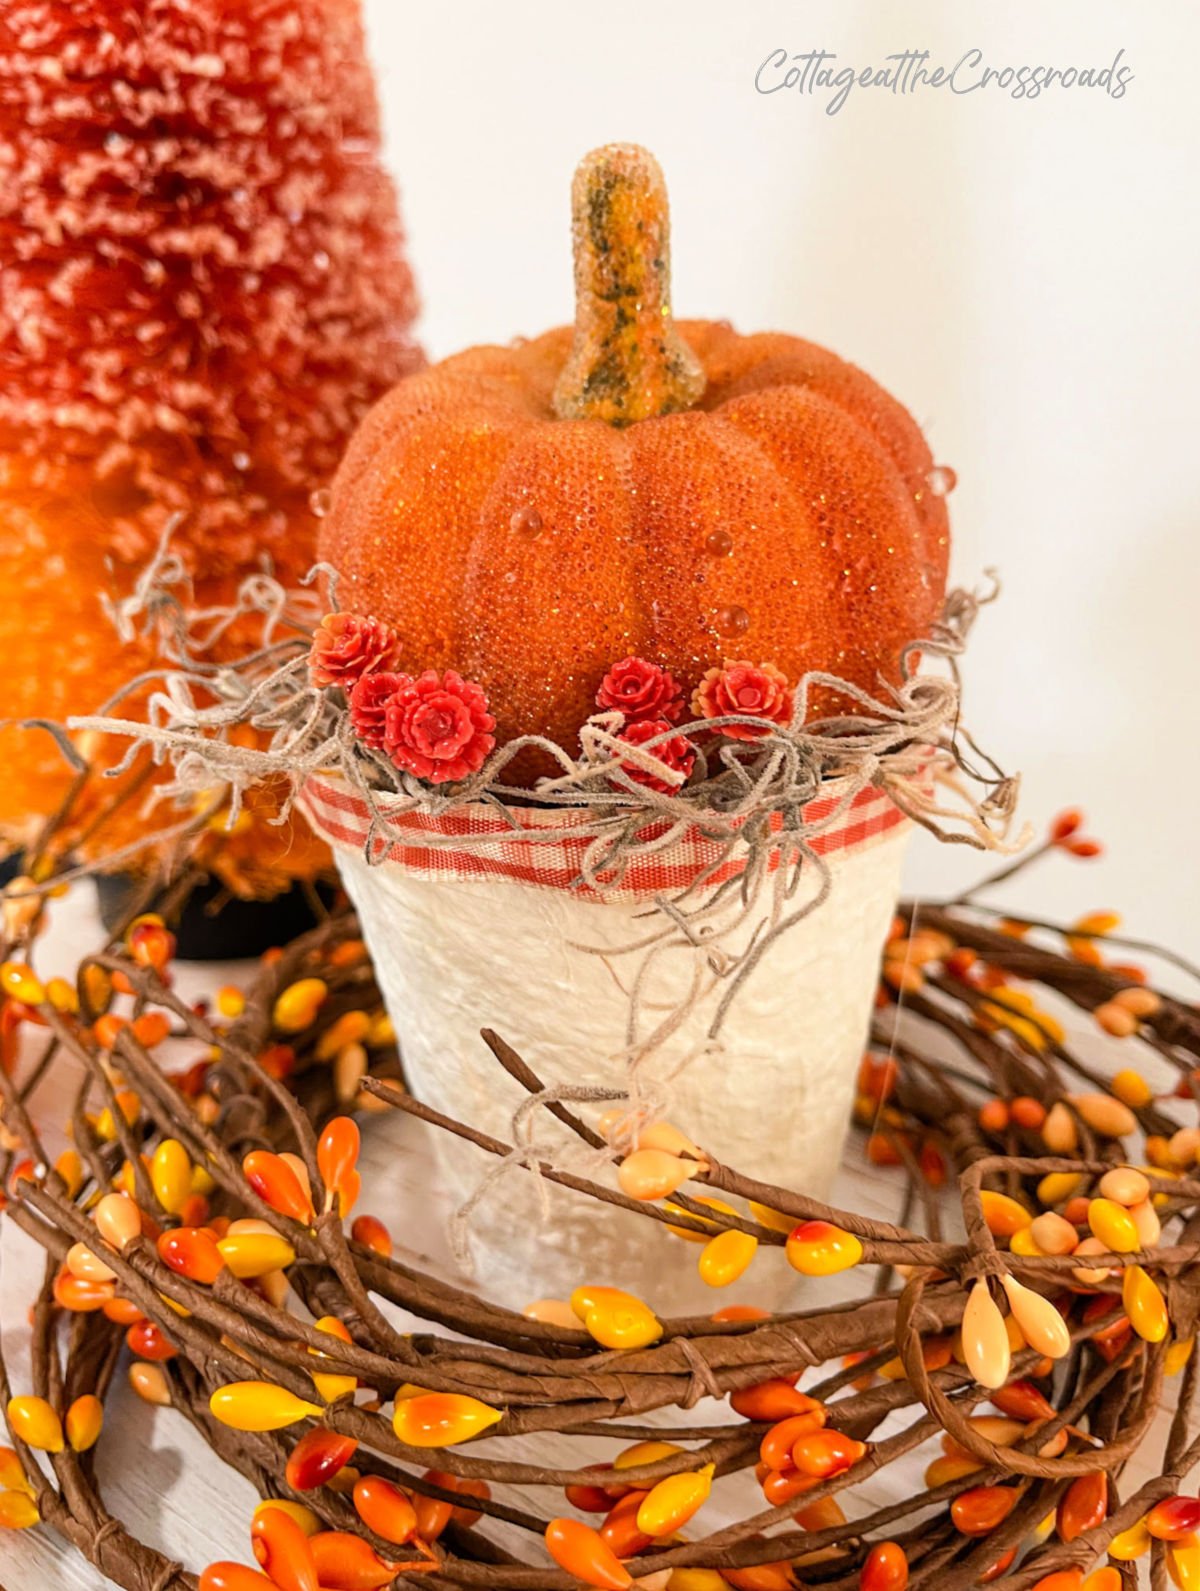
[
  {"x": 345, "y": 1562},
  {"x": 1174, "y": 1518},
  {"x": 881, "y": 1151},
  {"x": 1068, "y": 822},
  {"x": 591, "y": 1498},
  {"x": 999, "y": 1567},
  {"x": 982, "y": 1509},
  {"x": 385, "y": 1509},
  {"x": 228, "y": 1576},
  {"x": 1021, "y": 1400},
  {"x": 151, "y": 943},
  {"x": 277, "y": 1184},
  {"x": 1028, "y": 1112},
  {"x": 148, "y": 1341},
  {"x": 317, "y": 1457},
  {"x": 994, "y": 1116},
  {"x": 621, "y": 1532},
  {"x": 579, "y": 1550},
  {"x": 282, "y": 1550},
  {"x": 762, "y": 1577},
  {"x": 79, "y": 1296},
  {"x": 1104, "y": 1579},
  {"x": 337, "y": 1157},
  {"x": 769, "y": 1401},
  {"x": 1083, "y": 1506},
  {"x": 441, "y": 1419},
  {"x": 150, "y": 1383},
  {"x": 1003, "y": 1216},
  {"x": 886, "y": 1568},
  {"x": 84, "y": 1421},
  {"x": 776, "y": 1447},
  {"x": 192, "y": 1252},
  {"x": 783, "y": 1486},
  {"x": 151, "y": 1028},
  {"x": 372, "y": 1234},
  {"x": 826, "y": 1453},
  {"x": 650, "y": 1174},
  {"x": 464, "y": 1486}
]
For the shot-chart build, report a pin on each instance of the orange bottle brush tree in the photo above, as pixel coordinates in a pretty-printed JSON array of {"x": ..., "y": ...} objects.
[{"x": 205, "y": 289}]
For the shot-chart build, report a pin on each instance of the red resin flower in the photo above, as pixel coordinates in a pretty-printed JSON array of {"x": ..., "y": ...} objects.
[
  {"x": 760, "y": 691},
  {"x": 438, "y": 727},
  {"x": 677, "y": 753},
  {"x": 640, "y": 690},
  {"x": 368, "y": 706},
  {"x": 347, "y": 646}
]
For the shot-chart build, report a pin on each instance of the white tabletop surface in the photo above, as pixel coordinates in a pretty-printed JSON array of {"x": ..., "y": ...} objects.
[{"x": 156, "y": 1473}]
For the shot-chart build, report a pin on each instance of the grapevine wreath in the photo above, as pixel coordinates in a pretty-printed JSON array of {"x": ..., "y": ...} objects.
[{"x": 207, "y": 1220}]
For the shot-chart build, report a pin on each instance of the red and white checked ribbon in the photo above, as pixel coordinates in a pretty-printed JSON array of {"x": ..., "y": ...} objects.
[{"x": 545, "y": 848}]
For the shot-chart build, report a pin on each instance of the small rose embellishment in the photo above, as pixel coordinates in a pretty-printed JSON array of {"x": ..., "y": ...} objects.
[
  {"x": 755, "y": 690},
  {"x": 368, "y": 706},
  {"x": 347, "y": 646},
  {"x": 437, "y": 726},
  {"x": 640, "y": 690},
  {"x": 677, "y": 753}
]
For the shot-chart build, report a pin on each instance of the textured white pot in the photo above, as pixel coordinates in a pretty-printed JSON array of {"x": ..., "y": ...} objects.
[{"x": 455, "y": 954}]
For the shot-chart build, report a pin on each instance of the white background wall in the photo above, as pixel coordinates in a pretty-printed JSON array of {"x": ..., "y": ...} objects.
[{"x": 1023, "y": 275}]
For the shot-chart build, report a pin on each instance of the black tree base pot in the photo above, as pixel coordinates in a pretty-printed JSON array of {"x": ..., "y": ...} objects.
[{"x": 213, "y": 925}]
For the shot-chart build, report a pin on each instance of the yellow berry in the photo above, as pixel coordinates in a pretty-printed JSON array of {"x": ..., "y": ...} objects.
[
  {"x": 816, "y": 1248},
  {"x": 62, "y": 996},
  {"x": 1056, "y": 1187},
  {"x": 35, "y": 1423},
  {"x": 18, "y": 1511},
  {"x": 231, "y": 1002},
  {"x": 171, "y": 1175},
  {"x": 298, "y": 1004},
  {"x": 669, "y": 1505},
  {"x": 259, "y": 1406},
  {"x": 1113, "y": 1226},
  {"x": 1131, "y": 1088},
  {"x": 20, "y": 982},
  {"x": 726, "y": 1257},
  {"x": 1144, "y": 1304},
  {"x": 616, "y": 1319}
]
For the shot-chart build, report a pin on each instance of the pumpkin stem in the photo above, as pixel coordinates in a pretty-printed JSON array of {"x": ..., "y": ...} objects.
[{"x": 627, "y": 362}]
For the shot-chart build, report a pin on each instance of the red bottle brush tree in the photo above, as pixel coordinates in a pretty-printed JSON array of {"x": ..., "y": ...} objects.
[{"x": 203, "y": 289}]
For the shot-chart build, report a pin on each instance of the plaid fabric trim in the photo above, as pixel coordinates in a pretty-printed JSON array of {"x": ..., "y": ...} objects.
[{"x": 538, "y": 846}]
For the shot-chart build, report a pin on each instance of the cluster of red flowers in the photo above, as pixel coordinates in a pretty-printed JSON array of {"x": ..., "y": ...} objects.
[
  {"x": 438, "y": 728},
  {"x": 651, "y": 702},
  {"x": 434, "y": 726}
]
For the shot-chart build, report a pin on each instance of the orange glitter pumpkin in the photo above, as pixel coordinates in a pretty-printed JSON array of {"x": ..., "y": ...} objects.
[{"x": 530, "y": 514}]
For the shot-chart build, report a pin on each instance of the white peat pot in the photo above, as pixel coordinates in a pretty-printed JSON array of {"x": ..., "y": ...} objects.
[{"x": 488, "y": 933}]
